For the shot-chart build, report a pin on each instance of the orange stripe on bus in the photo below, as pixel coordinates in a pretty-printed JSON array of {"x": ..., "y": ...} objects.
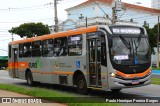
[
  {"x": 56, "y": 35},
  {"x": 17, "y": 65},
  {"x": 54, "y": 72},
  {"x": 134, "y": 75},
  {"x": 22, "y": 64}
]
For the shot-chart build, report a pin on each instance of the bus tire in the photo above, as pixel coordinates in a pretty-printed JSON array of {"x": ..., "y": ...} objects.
[
  {"x": 81, "y": 84},
  {"x": 29, "y": 78},
  {"x": 115, "y": 90}
]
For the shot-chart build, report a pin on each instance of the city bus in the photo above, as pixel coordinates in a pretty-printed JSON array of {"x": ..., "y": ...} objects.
[{"x": 102, "y": 57}]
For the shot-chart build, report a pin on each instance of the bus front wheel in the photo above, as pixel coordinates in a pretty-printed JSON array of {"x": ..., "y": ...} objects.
[
  {"x": 81, "y": 84},
  {"x": 29, "y": 78}
]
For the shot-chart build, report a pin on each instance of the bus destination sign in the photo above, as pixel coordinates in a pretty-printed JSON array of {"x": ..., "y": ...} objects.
[{"x": 123, "y": 30}]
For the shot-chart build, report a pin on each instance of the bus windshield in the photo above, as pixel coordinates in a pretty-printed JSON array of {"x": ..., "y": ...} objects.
[{"x": 130, "y": 50}]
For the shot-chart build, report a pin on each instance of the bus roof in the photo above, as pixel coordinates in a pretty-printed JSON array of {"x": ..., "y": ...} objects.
[{"x": 56, "y": 35}]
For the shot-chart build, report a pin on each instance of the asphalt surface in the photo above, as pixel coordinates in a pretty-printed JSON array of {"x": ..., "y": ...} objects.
[
  {"x": 155, "y": 76},
  {"x": 139, "y": 92}
]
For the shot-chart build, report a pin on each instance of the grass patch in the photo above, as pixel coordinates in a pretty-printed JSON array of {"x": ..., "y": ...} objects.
[
  {"x": 155, "y": 68},
  {"x": 57, "y": 96},
  {"x": 155, "y": 81}
]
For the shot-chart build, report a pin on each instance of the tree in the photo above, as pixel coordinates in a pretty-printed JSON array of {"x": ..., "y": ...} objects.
[
  {"x": 30, "y": 30},
  {"x": 152, "y": 34}
]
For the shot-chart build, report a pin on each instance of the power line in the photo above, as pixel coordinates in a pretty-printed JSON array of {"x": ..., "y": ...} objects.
[
  {"x": 25, "y": 8},
  {"x": 102, "y": 10},
  {"x": 133, "y": 14},
  {"x": 5, "y": 39},
  {"x": 145, "y": 4},
  {"x": 147, "y": 14},
  {"x": 69, "y": 1},
  {"x": 29, "y": 20},
  {"x": 143, "y": 17},
  {"x": 4, "y": 50}
]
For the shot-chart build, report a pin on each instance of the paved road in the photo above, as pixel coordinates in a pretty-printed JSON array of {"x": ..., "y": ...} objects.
[
  {"x": 155, "y": 76},
  {"x": 145, "y": 91}
]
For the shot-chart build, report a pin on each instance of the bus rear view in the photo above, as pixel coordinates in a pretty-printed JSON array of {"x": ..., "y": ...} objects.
[{"x": 130, "y": 57}]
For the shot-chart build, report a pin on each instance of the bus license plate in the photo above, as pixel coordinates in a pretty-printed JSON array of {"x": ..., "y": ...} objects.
[{"x": 135, "y": 82}]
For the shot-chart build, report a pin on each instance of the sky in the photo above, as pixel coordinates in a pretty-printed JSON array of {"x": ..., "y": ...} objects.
[{"x": 16, "y": 12}]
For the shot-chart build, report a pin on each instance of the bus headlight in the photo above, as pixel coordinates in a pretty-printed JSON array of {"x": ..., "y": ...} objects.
[{"x": 113, "y": 75}]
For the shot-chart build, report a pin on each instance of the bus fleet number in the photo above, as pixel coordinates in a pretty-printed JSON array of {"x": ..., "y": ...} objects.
[{"x": 32, "y": 65}]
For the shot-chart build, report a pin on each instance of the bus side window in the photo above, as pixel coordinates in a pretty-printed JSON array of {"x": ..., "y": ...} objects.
[
  {"x": 103, "y": 51},
  {"x": 20, "y": 50},
  {"x": 9, "y": 51},
  {"x": 47, "y": 48},
  {"x": 27, "y": 50},
  {"x": 60, "y": 46},
  {"x": 36, "y": 49},
  {"x": 75, "y": 45}
]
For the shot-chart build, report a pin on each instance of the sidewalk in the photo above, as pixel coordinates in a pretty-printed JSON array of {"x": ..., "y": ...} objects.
[{"x": 5, "y": 94}]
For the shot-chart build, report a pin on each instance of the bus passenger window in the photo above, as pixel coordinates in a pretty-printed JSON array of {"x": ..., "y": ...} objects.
[
  {"x": 27, "y": 50},
  {"x": 20, "y": 50},
  {"x": 60, "y": 46},
  {"x": 47, "y": 48},
  {"x": 9, "y": 51},
  {"x": 36, "y": 49},
  {"x": 103, "y": 51},
  {"x": 75, "y": 45}
]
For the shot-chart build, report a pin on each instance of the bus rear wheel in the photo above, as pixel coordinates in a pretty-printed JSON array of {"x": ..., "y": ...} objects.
[
  {"x": 81, "y": 84},
  {"x": 29, "y": 78}
]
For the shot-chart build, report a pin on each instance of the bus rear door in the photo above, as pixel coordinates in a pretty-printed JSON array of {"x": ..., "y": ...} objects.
[{"x": 14, "y": 55}]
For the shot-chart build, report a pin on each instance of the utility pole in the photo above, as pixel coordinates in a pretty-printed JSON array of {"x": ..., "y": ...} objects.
[
  {"x": 158, "y": 44},
  {"x": 56, "y": 17},
  {"x": 12, "y": 37},
  {"x": 113, "y": 15},
  {"x": 117, "y": 5}
]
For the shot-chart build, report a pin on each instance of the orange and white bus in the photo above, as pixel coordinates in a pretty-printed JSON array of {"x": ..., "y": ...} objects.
[{"x": 98, "y": 57}]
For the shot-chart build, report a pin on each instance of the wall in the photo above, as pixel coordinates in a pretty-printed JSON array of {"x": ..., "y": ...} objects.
[
  {"x": 92, "y": 10},
  {"x": 156, "y": 4}
]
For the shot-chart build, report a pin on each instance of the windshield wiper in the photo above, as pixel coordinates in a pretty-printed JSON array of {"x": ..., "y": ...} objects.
[
  {"x": 138, "y": 42},
  {"x": 125, "y": 42}
]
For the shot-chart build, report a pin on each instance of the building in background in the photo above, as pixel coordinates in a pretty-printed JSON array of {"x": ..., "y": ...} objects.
[
  {"x": 100, "y": 12},
  {"x": 155, "y": 4}
]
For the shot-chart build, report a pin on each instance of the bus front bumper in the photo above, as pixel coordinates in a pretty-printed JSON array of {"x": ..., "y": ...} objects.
[{"x": 117, "y": 83}]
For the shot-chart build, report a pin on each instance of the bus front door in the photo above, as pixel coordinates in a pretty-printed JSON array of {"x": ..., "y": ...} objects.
[
  {"x": 94, "y": 67},
  {"x": 15, "y": 63}
]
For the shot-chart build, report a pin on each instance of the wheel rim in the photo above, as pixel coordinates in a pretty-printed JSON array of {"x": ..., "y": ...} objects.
[
  {"x": 81, "y": 84},
  {"x": 29, "y": 79}
]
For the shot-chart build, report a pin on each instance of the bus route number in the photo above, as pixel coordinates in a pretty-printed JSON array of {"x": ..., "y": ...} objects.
[{"x": 32, "y": 65}]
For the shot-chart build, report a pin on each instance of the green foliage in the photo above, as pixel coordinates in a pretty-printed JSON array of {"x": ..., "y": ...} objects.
[
  {"x": 153, "y": 68},
  {"x": 152, "y": 34},
  {"x": 30, "y": 30}
]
